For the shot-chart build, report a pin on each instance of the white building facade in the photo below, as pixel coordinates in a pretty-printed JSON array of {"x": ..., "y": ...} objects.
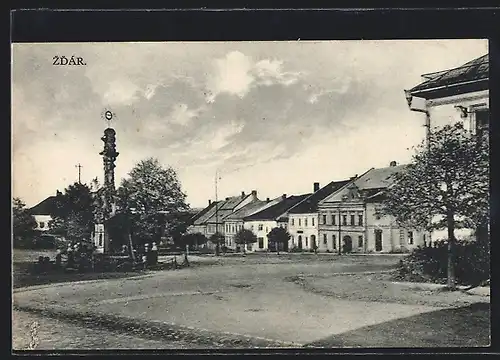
[{"x": 451, "y": 96}]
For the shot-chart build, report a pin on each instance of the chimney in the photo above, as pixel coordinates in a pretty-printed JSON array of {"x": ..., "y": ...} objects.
[
  {"x": 283, "y": 196},
  {"x": 316, "y": 186},
  {"x": 353, "y": 177},
  {"x": 242, "y": 194},
  {"x": 267, "y": 199},
  {"x": 254, "y": 193},
  {"x": 209, "y": 202},
  {"x": 393, "y": 163},
  {"x": 227, "y": 199}
]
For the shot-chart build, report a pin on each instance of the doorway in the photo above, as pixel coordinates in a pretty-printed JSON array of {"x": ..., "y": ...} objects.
[
  {"x": 300, "y": 242},
  {"x": 313, "y": 241},
  {"x": 347, "y": 246},
  {"x": 378, "y": 240}
]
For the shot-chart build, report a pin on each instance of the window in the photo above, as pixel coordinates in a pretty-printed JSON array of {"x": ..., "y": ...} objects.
[
  {"x": 251, "y": 227},
  {"x": 306, "y": 242},
  {"x": 324, "y": 219},
  {"x": 305, "y": 222},
  {"x": 100, "y": 239},
  {"x": 482, "y": 120},
  {"x": 325, "y": 241},
  {"x": 360, "y": 219},
  {"x": 360, "y": 241},
  {"x": 334, "y": 241},
  {"x": 291, "y": 237},
  {"x": 292, "y": 222},
  {"x": 410, "y": 237},
  {"x": 334, "y": 218},
  {"x": 352, "y": 219},
  {"x": 312, "y": 220},
  {"x": 267, "y": 229},
  {"x": 261, "y": 243},
  {"x": 261, "y": 227},
  {"x": 299, "y": 222},
  {"x": 42, "y": 224},
  {"x": 344, "y": 219}
]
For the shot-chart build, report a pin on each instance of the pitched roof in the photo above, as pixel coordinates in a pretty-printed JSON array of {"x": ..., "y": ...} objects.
[
  {"x": 310, "y": 204},
  {"x": 379, "y": 178},
  {"x": 203, "y": 212},
  {"x": 206, "y": 213},
  {"x": 477, "y": 69},
  {"x": 44, "y": 207},
  {"x": 251, "y": 208},
  {"x": 370, "y": 183},
  {"x": 275, "y": 211}
]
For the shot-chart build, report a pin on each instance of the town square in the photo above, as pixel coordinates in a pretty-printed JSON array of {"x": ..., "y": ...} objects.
[{"x": 250, "y": 195}]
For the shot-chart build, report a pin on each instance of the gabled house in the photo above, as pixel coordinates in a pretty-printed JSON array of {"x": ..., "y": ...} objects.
[
  {"x": 351, "y": 216},
  {"x": 41, "y": 212},
  {"x": 262, "y": 222},
  {"x": 235, "y": 221},
  {"x": 199, "y": 220},
  {"x": 212, "y": 219},
  {"x": 304, "y": 217}
]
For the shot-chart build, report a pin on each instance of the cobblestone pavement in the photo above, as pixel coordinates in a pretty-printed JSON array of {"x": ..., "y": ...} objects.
[{"x": 230, "y": 306}]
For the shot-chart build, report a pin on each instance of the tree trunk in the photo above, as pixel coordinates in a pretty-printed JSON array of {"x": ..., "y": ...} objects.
[
  {"x": 131, "y": 245},
  {"x": 217, "y": 249},
  {"x": 451, "y": 283}
]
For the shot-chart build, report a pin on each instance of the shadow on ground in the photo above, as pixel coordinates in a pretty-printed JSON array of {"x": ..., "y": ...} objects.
[{"x": 467, "y": 326}]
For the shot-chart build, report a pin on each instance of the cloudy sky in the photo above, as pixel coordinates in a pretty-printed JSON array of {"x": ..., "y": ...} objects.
[{"x": 271, "y": 116}]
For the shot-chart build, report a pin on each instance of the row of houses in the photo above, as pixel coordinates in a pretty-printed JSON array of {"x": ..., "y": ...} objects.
[
  {"x": 346, "y": 213},
  {"x": 342, "y": 215}
]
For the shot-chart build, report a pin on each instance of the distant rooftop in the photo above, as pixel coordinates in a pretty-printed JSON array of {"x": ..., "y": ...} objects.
[
  {"x": 277, "y": 210},
  {"x": 310, "y": 204},
  {"x": 472, "y": 76},
  {"x": 45, "y": 207}
]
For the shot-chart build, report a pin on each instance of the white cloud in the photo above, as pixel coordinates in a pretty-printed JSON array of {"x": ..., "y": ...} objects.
[
  {"x": 231, "y": 75},
  {"x": 121, "y": 92},
  {"x": 181, "y": 115}
]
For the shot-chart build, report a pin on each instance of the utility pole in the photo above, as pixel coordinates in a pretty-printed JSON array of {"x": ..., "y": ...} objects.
[{"x": 79, "y": 172}]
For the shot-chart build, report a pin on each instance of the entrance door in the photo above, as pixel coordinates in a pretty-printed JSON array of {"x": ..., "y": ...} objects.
[
  {"x": 378, "y": 240},
  {"x": 300, "y": 241},
  {"x": 347, "y": 246},
  {"x": 313, "y": 241}
]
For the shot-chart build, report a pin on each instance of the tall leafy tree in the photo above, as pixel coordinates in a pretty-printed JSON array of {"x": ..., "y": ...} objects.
[
  {"x": 277, "y": 236},
  {"x": 73, "y": 216},
  {"x": 150, "y": 192},
  {"x": 445, "y": 187},
  {"x": 23, "y": 224},
  {"x": 245, "y": 237}
]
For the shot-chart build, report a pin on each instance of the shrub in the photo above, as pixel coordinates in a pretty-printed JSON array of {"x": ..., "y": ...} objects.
[
  {"x": 295, "y": 249},
  {"x": 429, "y": 264}
]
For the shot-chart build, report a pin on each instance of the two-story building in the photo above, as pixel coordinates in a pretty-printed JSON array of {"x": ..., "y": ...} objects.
[
  {"x": 450, "y": 96},
  {"x": 303, "y": 219},
  {"x": 235, "y": 221},
  {"x": 212, "y": 221},
  {"x": 262, "y": 222},
  {"x": 351, "y": 218}
]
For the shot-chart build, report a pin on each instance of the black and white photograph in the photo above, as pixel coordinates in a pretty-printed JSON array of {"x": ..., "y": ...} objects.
[{"x": 195, "y": 195}]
